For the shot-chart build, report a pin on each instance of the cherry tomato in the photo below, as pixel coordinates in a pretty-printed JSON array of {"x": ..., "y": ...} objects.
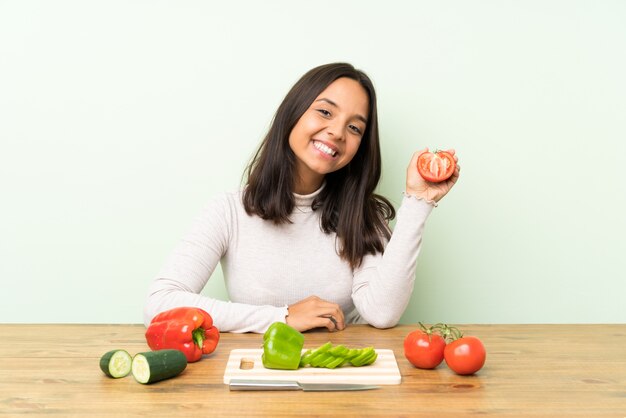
[
  {"x": 436, "y": 166},
  {"x": 424, "y": 349},
  {"x": 466, "y": 355}
]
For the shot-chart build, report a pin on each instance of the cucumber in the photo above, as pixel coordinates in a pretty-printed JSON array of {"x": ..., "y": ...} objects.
[
  {"x": 153, "y": 366},
  {"x": 116, "y": 363}
]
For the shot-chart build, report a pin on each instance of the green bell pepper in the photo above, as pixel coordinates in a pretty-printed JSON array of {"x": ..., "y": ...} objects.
[
  {"x": 330, "y": 356},
  {"x": 282, "y": 347}
]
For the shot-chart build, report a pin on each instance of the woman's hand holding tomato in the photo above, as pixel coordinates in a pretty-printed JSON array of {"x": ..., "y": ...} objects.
[{"x": 417, "y": 185}]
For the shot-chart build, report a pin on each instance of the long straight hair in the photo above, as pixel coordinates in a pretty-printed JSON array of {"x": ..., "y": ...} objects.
[{"x": 348, "y": 205}]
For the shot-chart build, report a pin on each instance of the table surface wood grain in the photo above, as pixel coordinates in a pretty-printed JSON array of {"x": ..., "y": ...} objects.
[{"x": 531, "y": 370}]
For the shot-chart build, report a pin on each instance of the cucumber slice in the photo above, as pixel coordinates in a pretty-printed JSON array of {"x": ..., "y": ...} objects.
[
  {"x": 116, "y": 363},
  {"x": 154, "y": 366}
]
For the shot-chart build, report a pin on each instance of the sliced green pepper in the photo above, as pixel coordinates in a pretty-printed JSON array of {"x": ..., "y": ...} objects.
[
  {"x": 331, "y": 357},
  {"x": 282, "y": 346},
  {"x": 282, "y": 349}
]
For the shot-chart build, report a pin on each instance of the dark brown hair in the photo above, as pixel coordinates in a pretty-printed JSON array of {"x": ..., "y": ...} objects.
[{"x": 349, "y": 207}]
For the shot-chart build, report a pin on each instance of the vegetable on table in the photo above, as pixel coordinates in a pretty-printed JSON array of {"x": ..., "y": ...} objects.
[
  {"x": 282, "y": 349},
  {"x": 154, "y": 366},
  {"x": 282, "y": 346},
  {"x": 464, "y": 355},
  {"x": 436, "y": 166},
  {"x": 424, "y": 347},
  {"x": 116, "y": 363},
  {"x": 330, "y": 356},
  {"x": 187, "y": 329}
]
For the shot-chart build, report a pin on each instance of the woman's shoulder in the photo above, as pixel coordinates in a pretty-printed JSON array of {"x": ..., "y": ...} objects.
[{"x": 230, "y": 199}]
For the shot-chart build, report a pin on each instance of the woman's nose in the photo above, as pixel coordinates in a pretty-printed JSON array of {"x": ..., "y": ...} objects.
[{"x": 335, "y": 130}]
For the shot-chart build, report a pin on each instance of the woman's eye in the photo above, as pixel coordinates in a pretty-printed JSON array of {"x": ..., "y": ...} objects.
[
  {"x": 355, "y": 129},
  {"x": 324, "y": 112}
]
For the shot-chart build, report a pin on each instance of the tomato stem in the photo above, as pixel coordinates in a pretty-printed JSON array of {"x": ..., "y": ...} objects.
[
  {"x": 448, "y": 332},
  {"x": 428, "y": 331}
]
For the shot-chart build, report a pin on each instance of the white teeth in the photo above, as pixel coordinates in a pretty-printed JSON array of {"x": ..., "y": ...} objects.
[{"x": 325, "y": 149}]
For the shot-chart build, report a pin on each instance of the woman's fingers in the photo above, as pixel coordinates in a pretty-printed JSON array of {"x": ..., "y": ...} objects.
[
  {"x": 415, "y": 156},
  {"x": 329, "y": 312},
  {"x": 314, "y": 312},
  {"x": 326, "y": 322},
  {"x": 323, "y": 308}
]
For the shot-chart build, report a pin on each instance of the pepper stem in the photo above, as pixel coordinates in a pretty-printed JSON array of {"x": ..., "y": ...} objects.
[{"x": 198, "y": 337}]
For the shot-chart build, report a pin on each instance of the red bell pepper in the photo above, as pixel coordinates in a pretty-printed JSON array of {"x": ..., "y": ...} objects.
[{"x": 189, "y": 330}]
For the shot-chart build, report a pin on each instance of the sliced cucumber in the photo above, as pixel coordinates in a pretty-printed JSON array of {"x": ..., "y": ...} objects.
[
  {"x": 153, "y": 366},
  {"x": 116, "y": 363}
]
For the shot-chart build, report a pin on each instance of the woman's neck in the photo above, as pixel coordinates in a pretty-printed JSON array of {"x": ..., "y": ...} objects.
[{"x": 308, "y": 185}]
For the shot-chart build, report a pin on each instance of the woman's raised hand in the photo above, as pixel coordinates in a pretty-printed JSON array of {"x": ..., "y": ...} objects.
[
  {"x": 314, "y": 312},
  {"x": 417, "y": 186}
]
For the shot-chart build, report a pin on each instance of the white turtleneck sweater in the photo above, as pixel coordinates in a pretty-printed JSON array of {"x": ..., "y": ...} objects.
[{"x": 268, "y": 267}]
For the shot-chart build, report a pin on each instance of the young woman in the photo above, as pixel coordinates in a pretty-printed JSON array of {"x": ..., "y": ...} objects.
[{"x": 307, "y": 240}]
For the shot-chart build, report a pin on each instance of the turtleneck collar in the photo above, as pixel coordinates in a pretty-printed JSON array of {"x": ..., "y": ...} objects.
[{"x": 304, "y": 201}]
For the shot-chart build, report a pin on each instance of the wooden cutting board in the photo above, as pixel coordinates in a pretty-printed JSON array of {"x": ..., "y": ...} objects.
[{"x": 384, "y": 371}]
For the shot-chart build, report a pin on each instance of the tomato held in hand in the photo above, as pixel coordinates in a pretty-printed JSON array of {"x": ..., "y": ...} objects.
[
  {"x": 436, "y": 166},
  {"x": 465, "y": 355},
  {"x": 424, "y": 349}
]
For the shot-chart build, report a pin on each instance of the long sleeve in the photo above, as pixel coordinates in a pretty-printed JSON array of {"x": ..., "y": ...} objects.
[
  {"x": 383, "y": 284},
  {"x": 190, "y": 266},
  {"x": 268, "y": 267}
]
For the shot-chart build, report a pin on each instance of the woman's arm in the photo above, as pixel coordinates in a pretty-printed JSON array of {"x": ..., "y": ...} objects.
[
  {"x": 227, "y": 317},
  {"x": 383, "y": 284},
  {"x": 190, "y": 266}
]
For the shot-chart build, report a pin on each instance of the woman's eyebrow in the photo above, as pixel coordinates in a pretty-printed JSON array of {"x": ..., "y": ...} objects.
[{"x": 330, "y": 102}]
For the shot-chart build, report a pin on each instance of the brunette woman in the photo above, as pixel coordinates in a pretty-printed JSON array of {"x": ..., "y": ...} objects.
[{"x": 307, "y": 240}]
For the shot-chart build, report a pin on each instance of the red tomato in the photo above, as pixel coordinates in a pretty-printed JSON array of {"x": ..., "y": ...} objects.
[
  {"x": 436, "y": 166},
  {"x": 466, "y": 355},
  {"x": 424, "y": 350}
]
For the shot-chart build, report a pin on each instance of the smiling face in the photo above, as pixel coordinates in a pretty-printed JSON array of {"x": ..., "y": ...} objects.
[{"x": 328, "y": 134}]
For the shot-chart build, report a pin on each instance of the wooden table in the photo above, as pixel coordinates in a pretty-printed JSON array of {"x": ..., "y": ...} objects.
[{"x": 558, "y": 370}]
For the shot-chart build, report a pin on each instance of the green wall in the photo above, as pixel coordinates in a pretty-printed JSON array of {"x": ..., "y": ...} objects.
[{"x": 119, "y": 120}]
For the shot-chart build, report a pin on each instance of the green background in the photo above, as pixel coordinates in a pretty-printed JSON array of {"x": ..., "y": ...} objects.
[{"x": 120, "y": 119}]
